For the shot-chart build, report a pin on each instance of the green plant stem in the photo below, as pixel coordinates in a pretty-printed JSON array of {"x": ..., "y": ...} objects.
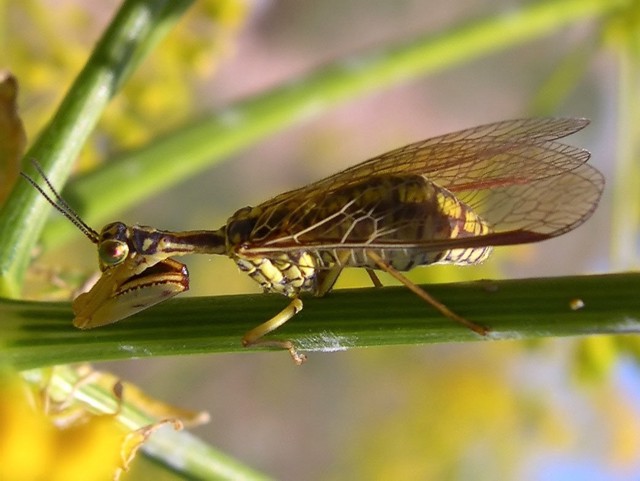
[
  {"x": 625, "y": 217},
  {"x": 132, "y": 34},
  {"x": 37, "y": 334},
  {"x": 100, "y": 195}
]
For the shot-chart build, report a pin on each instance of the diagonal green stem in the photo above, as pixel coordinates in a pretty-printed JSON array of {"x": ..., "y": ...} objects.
[
  {"x": 38, "y": 334},
  {"x": 132, "y": 34}
]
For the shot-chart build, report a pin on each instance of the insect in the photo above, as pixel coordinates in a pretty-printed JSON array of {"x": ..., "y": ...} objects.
[{"x": 448, "y": 199}]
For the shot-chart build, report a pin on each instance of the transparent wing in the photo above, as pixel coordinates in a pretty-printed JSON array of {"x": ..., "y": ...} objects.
[
  {"x": 513, "y": 175},
  {"x": 442, "y": 158}
]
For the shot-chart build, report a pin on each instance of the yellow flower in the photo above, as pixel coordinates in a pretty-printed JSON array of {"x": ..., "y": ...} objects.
[
  {"x": 36, "y": 446},
  {"x": 47, "y": 439}
]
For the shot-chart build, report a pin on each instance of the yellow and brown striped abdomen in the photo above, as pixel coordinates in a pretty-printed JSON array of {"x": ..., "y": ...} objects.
[{"x": 464, "y": 222}]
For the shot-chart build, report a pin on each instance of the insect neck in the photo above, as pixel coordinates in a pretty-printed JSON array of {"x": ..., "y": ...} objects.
[{"x": 148, "y": 241}]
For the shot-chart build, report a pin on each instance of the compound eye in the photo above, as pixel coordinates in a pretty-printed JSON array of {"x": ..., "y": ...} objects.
[{"x": 112, "y": 252}]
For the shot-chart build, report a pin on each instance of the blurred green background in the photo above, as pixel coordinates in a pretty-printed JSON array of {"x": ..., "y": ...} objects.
[{"x": 552, "y": 410}]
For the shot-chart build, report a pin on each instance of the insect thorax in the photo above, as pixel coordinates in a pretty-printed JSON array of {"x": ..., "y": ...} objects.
[
  {"x": 283, "y": 273},
  {"x": 287, "y": 274}
]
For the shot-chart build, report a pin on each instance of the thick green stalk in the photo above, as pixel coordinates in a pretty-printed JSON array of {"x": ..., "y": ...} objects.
[{"x": 38, "y": 334}]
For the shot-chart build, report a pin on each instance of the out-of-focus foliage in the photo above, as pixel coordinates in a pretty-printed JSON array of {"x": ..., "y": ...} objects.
[
  {"x": 485, "y": 410},
  {"x": 165, "y": 87},
  {"x": 12, "y": 135}
]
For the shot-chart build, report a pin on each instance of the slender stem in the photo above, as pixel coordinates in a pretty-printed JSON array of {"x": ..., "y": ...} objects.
[
  {"x": 625, "y": 218},
  {"x": 37, "y": 334}
]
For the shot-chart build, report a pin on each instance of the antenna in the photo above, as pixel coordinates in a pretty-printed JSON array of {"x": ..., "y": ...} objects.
[{"x": 60, "y": 204}]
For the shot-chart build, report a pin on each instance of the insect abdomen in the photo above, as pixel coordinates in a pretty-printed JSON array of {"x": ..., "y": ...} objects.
[
  {"x": 406, "y": 214},
  {"x": 464, "y": 222}
]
